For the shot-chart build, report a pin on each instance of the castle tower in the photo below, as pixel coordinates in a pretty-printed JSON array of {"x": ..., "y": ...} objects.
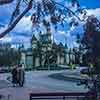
[
  {"x": 34, "y": 42},
  {"x": 49, "y": 34},
  {"x": 46, "y": 40}
]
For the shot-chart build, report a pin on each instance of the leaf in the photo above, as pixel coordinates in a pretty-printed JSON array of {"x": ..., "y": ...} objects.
[{"x": 46, "y": 24}]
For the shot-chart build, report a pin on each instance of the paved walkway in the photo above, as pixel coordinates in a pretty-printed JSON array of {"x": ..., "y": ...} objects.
[
  {"x": 36, "y": 82},
  {"x": 4, "y": 84},
  {"x": 15, "y": 93},
  {"x": 19, "y": 93}
]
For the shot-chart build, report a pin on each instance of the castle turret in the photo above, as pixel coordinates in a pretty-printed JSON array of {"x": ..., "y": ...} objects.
[
  {"x": 46, "y": 40},
  {"x": 34, "y": 42}
]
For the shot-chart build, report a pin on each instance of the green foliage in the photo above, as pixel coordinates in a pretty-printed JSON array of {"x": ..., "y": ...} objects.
[
  {"x": 72, "y": 66},
  {"x": 8, "y": 55}
]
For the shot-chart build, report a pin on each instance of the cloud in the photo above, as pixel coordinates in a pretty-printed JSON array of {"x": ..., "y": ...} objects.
[
  {"x": 62, "y": 33},
  {"x": 24, "y": 26},
  {"x": 77, "y": 30},
  {"x": 20, "y": 40},
  {"x": 6, "y": 12},
  {"x": 5, "y": 39},
  {"x": 20, "y": 34},
  {"x": 95, "y": 12},
  {"x": 2, "y": 28},
  {"x": 16, "y": 40}
]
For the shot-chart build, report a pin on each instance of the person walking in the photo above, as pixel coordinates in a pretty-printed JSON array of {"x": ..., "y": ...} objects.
[
  {"x": 21, "y": 76},
  {"x": 14, "y": 76}
]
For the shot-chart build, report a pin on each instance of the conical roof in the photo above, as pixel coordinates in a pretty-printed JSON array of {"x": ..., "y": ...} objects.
[{"x": 33, "y": 37}]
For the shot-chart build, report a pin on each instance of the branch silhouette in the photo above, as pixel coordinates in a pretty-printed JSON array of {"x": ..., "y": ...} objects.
[
  {"x": 2, "y": 2},
  {"x": 10, "y": 27}
]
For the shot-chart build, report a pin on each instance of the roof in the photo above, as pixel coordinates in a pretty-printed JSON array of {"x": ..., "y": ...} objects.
[
  {"x": 55, "y": 46},
  {"x": 66, "y": 46},
  {"x": 61, "y": 45},
  {"x": 34, "y": 38}
]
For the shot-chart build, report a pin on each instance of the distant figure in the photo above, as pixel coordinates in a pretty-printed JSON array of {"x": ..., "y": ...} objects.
[
  {"x": 14, "y": 76},
  {"x": 21, "y": 75}
]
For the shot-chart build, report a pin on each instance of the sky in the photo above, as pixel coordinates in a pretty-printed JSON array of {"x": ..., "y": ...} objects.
[{"x": 22, "y": 33}]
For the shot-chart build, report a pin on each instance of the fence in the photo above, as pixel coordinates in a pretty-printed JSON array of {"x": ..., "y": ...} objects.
[{"x": 63, "y": 96}]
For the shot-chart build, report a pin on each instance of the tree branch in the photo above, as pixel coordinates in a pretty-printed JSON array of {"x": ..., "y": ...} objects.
[
  {"x": 2, "y": 2},
  {"x": 10, "y": 27},
  {"x": 67, "y": 9}
]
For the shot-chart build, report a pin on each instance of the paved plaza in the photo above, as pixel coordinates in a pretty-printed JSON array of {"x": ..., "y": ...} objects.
[{"x": 36, "y": 81}]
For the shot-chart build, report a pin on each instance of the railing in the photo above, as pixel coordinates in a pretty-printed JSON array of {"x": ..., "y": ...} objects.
[{"x": 63, "y": 96}]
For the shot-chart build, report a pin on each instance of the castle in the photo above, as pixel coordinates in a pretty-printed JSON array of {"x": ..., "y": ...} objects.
[{"x": 45, "y": 52}]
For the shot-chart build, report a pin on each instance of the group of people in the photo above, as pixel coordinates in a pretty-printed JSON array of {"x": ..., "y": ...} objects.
[{"x": 18, "y": 75}]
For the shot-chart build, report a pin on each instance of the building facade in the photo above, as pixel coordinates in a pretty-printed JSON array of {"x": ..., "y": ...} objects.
[{"x": 45, "y": 52}]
